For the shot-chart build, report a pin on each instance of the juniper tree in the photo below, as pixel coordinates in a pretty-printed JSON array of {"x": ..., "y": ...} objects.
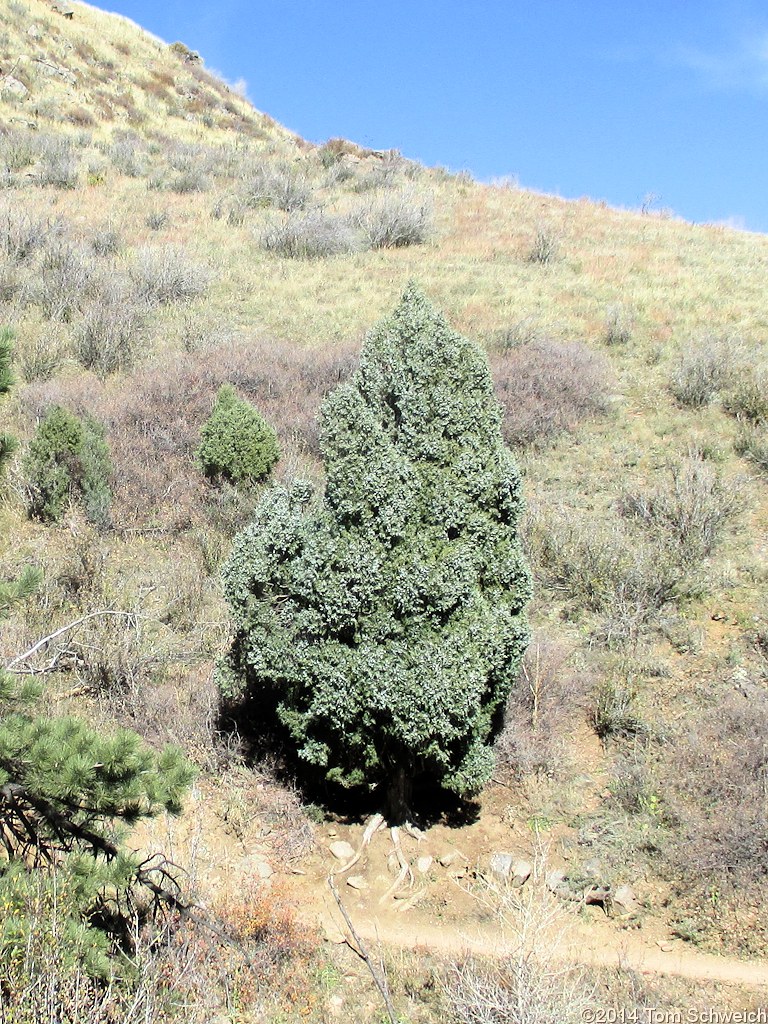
[
  {"x": 386, "y": 620},
  {"x": 237, "y": 444}
]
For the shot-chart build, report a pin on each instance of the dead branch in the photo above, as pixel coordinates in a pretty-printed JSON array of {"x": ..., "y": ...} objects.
[
  {"x": 380, "y": 978},
  {"x": 21, "y": 658}
]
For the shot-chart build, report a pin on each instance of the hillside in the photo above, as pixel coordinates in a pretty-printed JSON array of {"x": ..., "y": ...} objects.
[{"x": 160, "y": 237}]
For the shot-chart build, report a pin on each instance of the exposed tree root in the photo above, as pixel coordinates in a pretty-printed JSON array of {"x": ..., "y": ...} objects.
[
  {"x": 373, "y": 826},
  {"x": 405, "y": 868}
]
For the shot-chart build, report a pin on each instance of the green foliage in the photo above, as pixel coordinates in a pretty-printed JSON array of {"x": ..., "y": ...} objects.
[
  {"x": 386, "y": 621},
  {"x": 8, "y": 444},
  {"x": 6, "y": 353},
  {"x": 68, "y": 460},
  {"x": 68, "y": 793},
  {"x": 238, "y": 445}
]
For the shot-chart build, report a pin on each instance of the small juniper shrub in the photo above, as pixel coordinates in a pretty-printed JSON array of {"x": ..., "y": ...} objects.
[
  {"x": 68, "y": 460},
  {"x": 548, "y": 387},
  {"x": 395, "y": 220},
  {"x": 310, "y": 236},
  {"x": 237, "y": 444},
  {"x": 704, "y": 369}
]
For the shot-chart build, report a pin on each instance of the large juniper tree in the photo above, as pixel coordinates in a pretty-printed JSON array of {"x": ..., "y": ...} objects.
[{"x": 385, "y": 620}]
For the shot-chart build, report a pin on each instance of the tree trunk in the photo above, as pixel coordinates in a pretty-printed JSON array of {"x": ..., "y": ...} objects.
[{"x": 399, "y": 794}]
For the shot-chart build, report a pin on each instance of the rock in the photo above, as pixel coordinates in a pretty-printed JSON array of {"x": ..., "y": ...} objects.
[
  {"x": 423, "y": 864},
  {"x": 448, "y": 858},
  {"x": 555, "y": 879},
  {"x": 592, "y": 868},
  {"x": 664, "y": 946},
  {"x": 14, "y": 87},
  {"x": 457, "y": 871},
  {"x": 599, "y": 896},
  {"x": 500, "y": 865},
  {"x": 521, "y": 872},
  {"x": 625, "y": 901},
  {"x": 342, "y": 850},
  {"x": 332, "y": 833},
  {"x": 393, "y": 864},
  {"x": 263, "y": 869},
  {"x": 357, "y": 882}
]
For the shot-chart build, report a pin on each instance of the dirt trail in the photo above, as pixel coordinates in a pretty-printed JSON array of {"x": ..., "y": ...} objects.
[{"x": 591, "y": 946}]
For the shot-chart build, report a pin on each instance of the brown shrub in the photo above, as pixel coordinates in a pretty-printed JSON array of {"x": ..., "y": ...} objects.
[
  {"x": 153, "y": 422},
  {"x": 542, "y": 711},
  {"x": 547, "y": 387}
]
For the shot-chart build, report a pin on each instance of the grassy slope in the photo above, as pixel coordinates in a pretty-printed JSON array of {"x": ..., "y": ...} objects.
[{"x": 676, "y": 282}]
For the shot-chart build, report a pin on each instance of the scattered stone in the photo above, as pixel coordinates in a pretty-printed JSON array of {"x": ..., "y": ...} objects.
[
  {"x": 332, "y": 833},
  {"x": 342, "y": 850},
  {"x": 34, "y": 32},
  {"x": 555, "y": 880},
  {"x": 448, "y": 858},
  {"x": 357, "y": 882},
  {"x": 625, "y": 901},
  {"x": 501, "y": 866},
  {"x": 457, "y": 871},
  {"x": 592, "y": 868},
  {"x": 298, "y": 871},
  {"x": 14, "y": 87},
  {"x": 664, "y": 946},
  {"x": 423, "y": 864},
  {"x": 521, "y": 872},
  {"x": 263, "y": 869}
]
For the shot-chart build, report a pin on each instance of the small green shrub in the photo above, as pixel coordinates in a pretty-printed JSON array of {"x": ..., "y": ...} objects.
[
  {"x": 546, "y": 246},
  {"x": 703, "y": 371},
  {"x": 749, "y": 401},
  {"x": 615, "y": 710},
  {"x": 68, "y": 459},
  {"x": 752, "y": 444},
  {"x": 238, "y": 445}
]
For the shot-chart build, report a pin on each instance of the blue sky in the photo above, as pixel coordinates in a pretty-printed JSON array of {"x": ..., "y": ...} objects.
[{"x": 619, "y": 101}]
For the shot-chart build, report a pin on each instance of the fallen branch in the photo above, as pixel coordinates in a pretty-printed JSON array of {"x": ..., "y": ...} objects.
[
  {"x": 11, "y": 666},
  {"x": 380, "y": 979}
]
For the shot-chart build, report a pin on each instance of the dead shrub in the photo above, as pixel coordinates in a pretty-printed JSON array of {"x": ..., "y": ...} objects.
[
  {"x": 395, "y": 220},
  {"x": 703, "y": 371},
  {"x": 542, "y": 710},
  {"x": 108, "y": 334},
  {"x": 310, "y": 236},
  {"x": 692, "y": 510},
  {"x": 41, "y": 354},
  {"x": 57, "y": 163},
  {"x": 21, "y": 235},
  {"x": 748, "y": 402},
  {"x": 128, "y": 156},
  {"x": 607, "y": 570},
  {"x": 165, "y": 275},
  {"x": 548, "y": 387},
  {"x": 63, "y": 280},
  {"x": 279, "y": 185}
]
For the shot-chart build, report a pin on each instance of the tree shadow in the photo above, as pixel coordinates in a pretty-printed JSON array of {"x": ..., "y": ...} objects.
[{"x": 263, "y": 740}]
